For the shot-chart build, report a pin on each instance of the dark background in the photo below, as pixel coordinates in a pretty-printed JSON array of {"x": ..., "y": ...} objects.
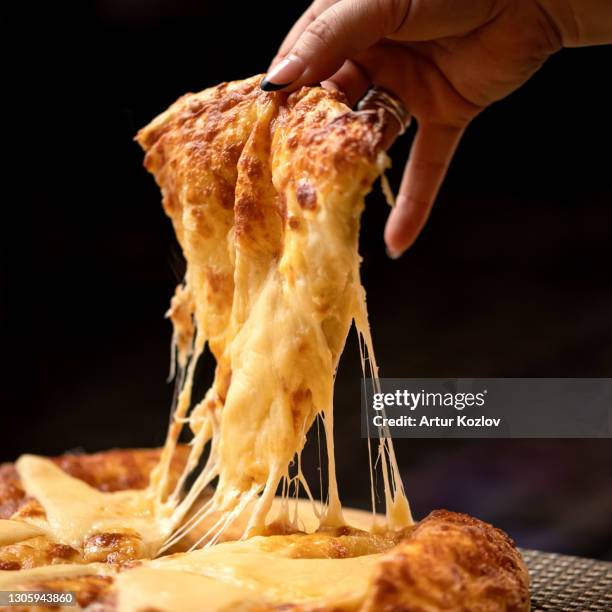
[{"x": 511, "y": 277}]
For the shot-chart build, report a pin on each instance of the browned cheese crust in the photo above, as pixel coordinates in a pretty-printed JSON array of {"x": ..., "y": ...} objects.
[
  {"x": 211, "y": 153},
  {"x": 453, "y": 562},
  {"x": 114, "y": 470}
]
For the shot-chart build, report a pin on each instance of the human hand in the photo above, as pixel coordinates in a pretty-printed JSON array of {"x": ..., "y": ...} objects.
[{"x": 446, "y": 61}]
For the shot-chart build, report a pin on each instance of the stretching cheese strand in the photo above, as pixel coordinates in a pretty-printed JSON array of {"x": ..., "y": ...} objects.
[{"x": 265, "y": 193}]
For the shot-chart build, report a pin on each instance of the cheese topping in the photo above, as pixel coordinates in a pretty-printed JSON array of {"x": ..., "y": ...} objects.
[
  {"x": 272, "y": 285},
  {"x": 16, "y": 531},
  {"x": 22, "y": 578},
  {"x": 154, "y": 589},
  {"x": 244, "y": 581},
  {"x": 248, "y": 572},
  {"x": 74, "y": 510}
]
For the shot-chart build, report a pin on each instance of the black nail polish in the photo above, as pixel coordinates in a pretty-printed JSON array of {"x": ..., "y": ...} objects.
[{"x": 267, "y": 86}]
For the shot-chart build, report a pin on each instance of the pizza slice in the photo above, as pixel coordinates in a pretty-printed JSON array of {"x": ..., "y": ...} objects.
[{"x": 265, "y": 192}]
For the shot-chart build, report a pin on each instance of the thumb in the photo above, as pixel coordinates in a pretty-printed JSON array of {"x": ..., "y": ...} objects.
[{"x": 339, "y": 32}]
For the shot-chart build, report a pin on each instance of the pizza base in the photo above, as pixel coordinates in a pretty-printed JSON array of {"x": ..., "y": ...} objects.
[{"x": 447, "y": 561}]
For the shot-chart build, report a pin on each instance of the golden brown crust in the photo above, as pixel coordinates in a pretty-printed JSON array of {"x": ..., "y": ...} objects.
[
  {"x": 12, "y": 495},
  {"x": 36, "y": 552},
  {"x": 114, "y": 547},
  {"x": 212, "y": 155},
  {"x": 451, "y": 562},
  {"x": 114, "y": 470},
  {"x": 337, "y": 543}
]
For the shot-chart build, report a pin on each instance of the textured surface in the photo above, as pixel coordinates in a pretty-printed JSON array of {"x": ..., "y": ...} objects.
[
  {"x": 265, "y": 192},
  {"x": 561, "y": 582},
  {"x": 114, "y": 470}
]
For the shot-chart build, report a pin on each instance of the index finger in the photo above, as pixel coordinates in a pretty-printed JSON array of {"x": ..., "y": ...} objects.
[{"x": 309, "y": 15}]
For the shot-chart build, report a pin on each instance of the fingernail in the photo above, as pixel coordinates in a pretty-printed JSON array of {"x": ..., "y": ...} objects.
[
  {"x": 283, "y": 74},
  {"x": 394, "y": 254}
]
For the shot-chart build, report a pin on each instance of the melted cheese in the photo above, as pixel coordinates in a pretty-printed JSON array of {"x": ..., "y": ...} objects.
[
  {"x": 74, "y": 510},
  {"x": 244, "y": 573},
  {"x": 153, "y": 589},
  {"x": 281, "y": 580},
  {"x": 272, "y": 284},
  {"x": 17, "y": 531}
]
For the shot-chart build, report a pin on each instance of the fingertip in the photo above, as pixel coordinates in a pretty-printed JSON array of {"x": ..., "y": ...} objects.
[
  {"x": 283, "y": 73},
  {"x": 402, "y": 229},
  {"x": 391, "y": 254},
  {"x": 266, "y": 85}
]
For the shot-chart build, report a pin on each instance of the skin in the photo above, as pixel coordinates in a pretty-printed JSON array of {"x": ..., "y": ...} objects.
[{"x": 447, "y": 60}]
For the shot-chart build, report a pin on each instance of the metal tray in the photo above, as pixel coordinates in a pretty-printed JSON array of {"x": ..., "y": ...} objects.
[{"x": 564, "y": 583}]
